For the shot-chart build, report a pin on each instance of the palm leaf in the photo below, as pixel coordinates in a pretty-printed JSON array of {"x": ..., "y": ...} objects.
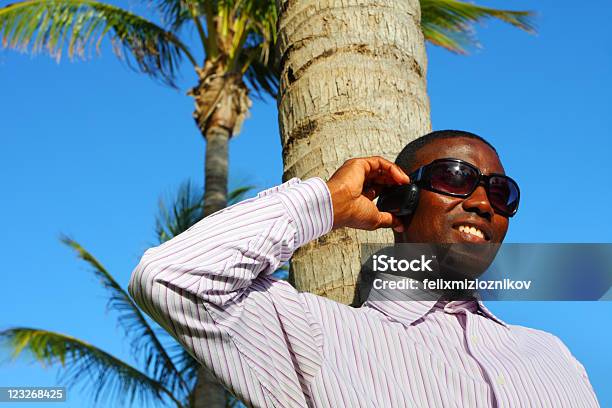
[
  {"x": 185, "y": 210},
  {"x": 238, "y": 194},
  {"x": 178, "y": 215},
  {"x": 105, "y": 375},
  {"x": 175, "y": 13},
  {"x": 253, "y": 24},
  {"x": 449, "y": 23},
  {"x": 187, "y": 365},
  {"x": 144, "y": 342},
  {"x": 81, "y": 25},
  {"x": 262, "y": 76}
]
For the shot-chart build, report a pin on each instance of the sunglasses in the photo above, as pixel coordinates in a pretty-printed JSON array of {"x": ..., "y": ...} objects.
[{"x": 457, "y": 178}]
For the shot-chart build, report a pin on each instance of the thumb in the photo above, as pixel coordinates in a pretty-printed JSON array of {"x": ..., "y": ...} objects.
[{"x": 388, "y": 220}]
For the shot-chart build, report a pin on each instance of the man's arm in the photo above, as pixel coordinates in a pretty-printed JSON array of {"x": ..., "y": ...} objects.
[
  {"x": 210, "y": 286},
  {"x": 218, "y": 258}
]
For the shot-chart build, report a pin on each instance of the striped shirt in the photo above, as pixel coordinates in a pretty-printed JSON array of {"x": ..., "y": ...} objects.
[{"x": 211, "y": 288}]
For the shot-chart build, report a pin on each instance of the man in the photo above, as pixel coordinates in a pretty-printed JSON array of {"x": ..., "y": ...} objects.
[{"x": 274, "y": 347}]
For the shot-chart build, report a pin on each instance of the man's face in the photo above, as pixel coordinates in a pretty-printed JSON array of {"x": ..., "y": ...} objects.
[{"x": 438, "y": 217}]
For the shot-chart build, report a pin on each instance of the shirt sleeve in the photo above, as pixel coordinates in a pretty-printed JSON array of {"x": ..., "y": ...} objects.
[{"x": 210, "y": 288}]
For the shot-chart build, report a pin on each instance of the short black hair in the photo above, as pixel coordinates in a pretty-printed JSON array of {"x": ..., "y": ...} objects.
[{"x": 405, "y": 159}]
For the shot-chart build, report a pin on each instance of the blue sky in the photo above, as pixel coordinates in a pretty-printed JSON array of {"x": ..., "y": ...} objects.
[{"x": 87, "y": 148}]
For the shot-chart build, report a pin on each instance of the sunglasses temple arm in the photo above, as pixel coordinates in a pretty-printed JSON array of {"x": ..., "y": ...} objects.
[{"x": 416, "y": 176}]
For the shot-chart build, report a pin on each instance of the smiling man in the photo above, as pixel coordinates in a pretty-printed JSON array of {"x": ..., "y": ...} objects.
[{"x": 271, "y": 346}]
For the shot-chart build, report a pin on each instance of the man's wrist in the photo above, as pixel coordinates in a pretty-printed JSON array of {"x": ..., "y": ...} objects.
[
  {"x": 309, "y": 204},
  {"x": 337, "y": 192}
]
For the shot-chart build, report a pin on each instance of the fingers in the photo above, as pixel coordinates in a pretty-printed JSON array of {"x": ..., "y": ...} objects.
[
  {"x": 371, "y": 191},
  {"x": 382, "y": 171},
  {"x": 388, "y": 220},
  {"x": 353, "y": 187}
]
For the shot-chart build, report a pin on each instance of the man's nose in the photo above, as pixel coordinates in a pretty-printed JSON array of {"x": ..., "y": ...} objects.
[{"x": 479, "y": 202}]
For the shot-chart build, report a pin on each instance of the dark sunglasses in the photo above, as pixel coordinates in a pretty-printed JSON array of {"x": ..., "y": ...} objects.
[{"x": 458, "y": 178}]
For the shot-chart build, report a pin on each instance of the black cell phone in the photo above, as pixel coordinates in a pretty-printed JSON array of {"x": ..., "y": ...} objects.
[{"x": 399, "y": 200}]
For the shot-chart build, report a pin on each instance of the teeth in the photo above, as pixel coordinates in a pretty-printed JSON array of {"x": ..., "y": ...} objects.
[{"x": 471, "y": 230}]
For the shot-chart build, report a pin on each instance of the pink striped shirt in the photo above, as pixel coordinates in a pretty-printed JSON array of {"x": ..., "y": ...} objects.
[{"x": 210, "y": 287}]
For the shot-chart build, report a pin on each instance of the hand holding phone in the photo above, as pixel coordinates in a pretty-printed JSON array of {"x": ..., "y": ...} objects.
[{"x": 353, "y": 187}]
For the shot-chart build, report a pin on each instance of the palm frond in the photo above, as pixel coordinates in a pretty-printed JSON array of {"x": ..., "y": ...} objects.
[
  {"x": 80, "y": 26},
  {"x": 179, "y": 214},
  {"x": 450, "y": 23},
  {"x": 238, "y": 194},
  {"x": 187, "y": 365},
  {"x": 145, "y": 344},
  {"x": 175, "y": 13},
  {"x": 185, "y": 210},
  {"x": 108, "y": 378},
  {"x": 245, "y": 30},
  {"x": 262, "y": 76},
  {"x": 253, "y": 24}
]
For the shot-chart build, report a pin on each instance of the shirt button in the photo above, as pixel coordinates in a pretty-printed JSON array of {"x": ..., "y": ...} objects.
[
  {"x": 501, "y": 380},
  {"x": 474, "y": 339}
]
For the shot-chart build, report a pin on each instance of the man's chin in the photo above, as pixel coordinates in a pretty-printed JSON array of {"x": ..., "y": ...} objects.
[{"x": 465, "y": 260}]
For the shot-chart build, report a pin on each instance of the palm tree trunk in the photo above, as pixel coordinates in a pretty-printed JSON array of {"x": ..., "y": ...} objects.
[
  {"x": 208, "y": 392},
  {"x": 215, "y": 169},
  {"x": 221, "y": 105},
  {"x": 353, "y": 84}
]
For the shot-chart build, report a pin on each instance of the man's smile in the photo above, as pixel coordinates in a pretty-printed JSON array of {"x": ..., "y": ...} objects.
[{"x": 472, "y": 231}]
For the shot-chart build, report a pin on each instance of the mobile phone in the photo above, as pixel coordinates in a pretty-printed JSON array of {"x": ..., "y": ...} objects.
[{"x": 399, "y": 200}]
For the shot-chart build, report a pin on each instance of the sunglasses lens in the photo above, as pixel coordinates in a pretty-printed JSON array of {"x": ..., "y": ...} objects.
[
  {"x": 452, "y": 177},
  {"x": 503, "y": 194}
]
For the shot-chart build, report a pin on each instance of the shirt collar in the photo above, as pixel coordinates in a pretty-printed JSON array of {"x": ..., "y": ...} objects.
[{"x": 408, "y": 306}]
